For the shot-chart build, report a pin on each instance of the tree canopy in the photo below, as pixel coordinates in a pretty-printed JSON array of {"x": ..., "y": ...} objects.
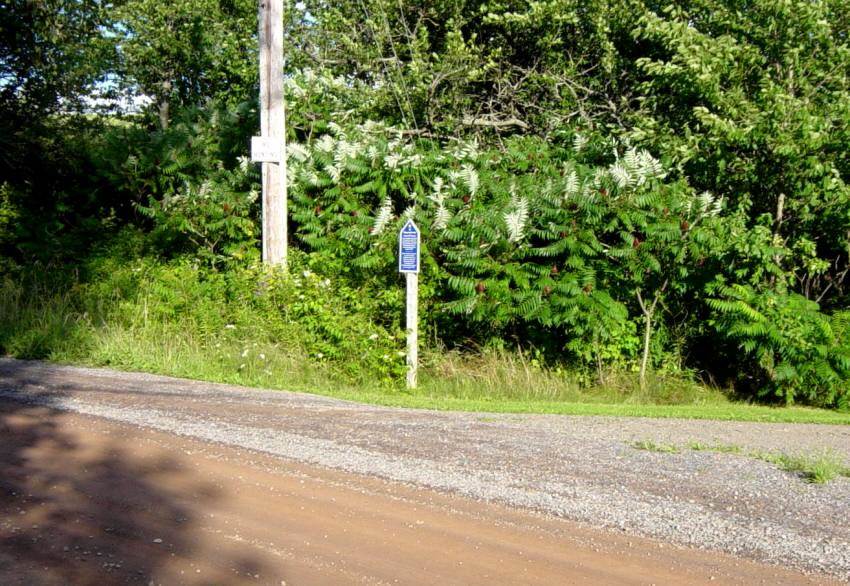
[{"x": 623, "y": 183}]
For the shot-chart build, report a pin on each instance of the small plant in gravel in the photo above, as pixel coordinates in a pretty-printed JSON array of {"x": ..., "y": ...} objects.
[
  {"x": 652, "y": 446},
  {"x": 722, "y": 448},
  {"x": 817, "y": 468}
]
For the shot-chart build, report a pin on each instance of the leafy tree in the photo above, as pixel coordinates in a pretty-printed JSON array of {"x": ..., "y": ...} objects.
[
  {"x": 754, "y": 104},
  {"x": 183, "y": 53},
  {"x": 52, "y": 57},
  {"x": 51, "y": 51}
]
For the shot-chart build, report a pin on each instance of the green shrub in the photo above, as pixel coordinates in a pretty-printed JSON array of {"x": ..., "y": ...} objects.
[
  {"x": 792, "y": 352},
  {"x": 192, "y": 182},
  {"x": 303, "y": 313},
  {"x": 543, "y": 242}
]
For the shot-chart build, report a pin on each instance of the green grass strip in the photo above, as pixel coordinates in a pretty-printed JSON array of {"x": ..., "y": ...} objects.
[
  {"x": 729, "y": 411},
  {"x": 724, "y": 412}
]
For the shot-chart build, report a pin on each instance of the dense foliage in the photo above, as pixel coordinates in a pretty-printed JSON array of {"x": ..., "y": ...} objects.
[{"x": 623, "y": 185}]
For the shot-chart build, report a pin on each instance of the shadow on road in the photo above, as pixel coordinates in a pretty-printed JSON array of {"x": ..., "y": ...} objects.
[{"x": 90, "y": 508}]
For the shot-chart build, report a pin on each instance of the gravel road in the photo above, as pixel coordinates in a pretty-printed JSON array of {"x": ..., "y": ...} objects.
[{"x": 579, "y": 468}]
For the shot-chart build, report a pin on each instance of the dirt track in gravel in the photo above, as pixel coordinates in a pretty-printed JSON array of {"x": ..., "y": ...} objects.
[
  {"x": 88, "y": 501},
  {"x": 110, "y": 477}
]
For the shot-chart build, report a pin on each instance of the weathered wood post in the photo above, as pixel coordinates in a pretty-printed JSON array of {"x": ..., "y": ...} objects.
[{"x": 270, "y": 149}]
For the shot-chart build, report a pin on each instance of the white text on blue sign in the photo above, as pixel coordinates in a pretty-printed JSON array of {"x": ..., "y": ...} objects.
[{"x": 408, "y": 248}]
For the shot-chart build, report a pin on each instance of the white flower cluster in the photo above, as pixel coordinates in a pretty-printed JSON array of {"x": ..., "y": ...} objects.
[
  {"x": 571, "y": 183},
  {"x": 707, "y": 204},
  {"x": 313, "y": 178},
  {"x": 385, "y": 214},
  {"x": 634, "y": 168},
  {"x": 371, "y": 142},
  {"x": 516, "y": 216},
  {"x": 379, "y": 146},
  {"x": 392, "y": 161},
  {"x": 307, "y": 82},
  {"x": 297, "y": 153},
  {"x": 337, "y": 144},
  {"x": 468, "y": 176},
  {"x": 442, "y": 215},
  {"x": 401, "y": 154},
  {"x": 579, "y": 142},
  {"x": 463, "y": 150},
  {"x": 325, "y": 144}
]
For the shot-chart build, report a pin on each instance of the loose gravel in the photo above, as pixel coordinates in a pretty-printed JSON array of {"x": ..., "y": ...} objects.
[{"x": 581, "y": 468}]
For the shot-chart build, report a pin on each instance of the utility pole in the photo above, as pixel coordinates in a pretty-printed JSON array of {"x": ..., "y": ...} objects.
[{"x": 270, "y": 148}]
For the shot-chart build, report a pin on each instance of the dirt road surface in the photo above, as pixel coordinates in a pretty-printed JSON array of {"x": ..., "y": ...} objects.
[{"x": 114, "y": 478}]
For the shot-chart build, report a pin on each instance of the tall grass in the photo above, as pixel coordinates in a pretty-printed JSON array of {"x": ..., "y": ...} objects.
[
  {"x": 513, "y": 375},
  {"x": 97, "y": 327},
  {"x": 74, "y": 325},
  {"x": 204, "y": 335}
]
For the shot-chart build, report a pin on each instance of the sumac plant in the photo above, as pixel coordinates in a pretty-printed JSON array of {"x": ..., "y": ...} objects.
[
  {"x": 191, "y": 184},
  {"x": 795, "y": 351},
  {"x": 580, "y": 244}
]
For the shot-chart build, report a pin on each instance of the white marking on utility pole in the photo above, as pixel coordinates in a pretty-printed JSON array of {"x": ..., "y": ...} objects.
[
  {"x": 408, "y": 263},
  {"x": 273, "y": 131},
  {"x": 265, "y": 149}
]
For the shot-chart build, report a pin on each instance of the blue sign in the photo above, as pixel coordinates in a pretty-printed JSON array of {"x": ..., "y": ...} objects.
[{"x": 408, "y": 248}]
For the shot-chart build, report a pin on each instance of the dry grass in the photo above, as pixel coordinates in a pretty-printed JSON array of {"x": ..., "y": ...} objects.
[{"x": 513, "y": 375}]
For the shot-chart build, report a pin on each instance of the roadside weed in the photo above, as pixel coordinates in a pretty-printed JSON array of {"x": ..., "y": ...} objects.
[
  {"x": 816, "y": 468},
  {"x": 651, "y": 446},
  {"x": 721, "y": 448}
]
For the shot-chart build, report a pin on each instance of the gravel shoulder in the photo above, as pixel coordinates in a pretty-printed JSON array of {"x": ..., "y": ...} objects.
[{"x": 583, "y": 469}]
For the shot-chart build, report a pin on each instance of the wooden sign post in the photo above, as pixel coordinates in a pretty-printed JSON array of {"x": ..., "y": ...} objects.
[
  {"x": 270, "y": 148},
  {"x": 408, "y": 263}
]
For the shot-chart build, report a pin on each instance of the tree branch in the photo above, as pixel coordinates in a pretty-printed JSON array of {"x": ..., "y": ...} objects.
[{"x": 494, "y": 123}]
